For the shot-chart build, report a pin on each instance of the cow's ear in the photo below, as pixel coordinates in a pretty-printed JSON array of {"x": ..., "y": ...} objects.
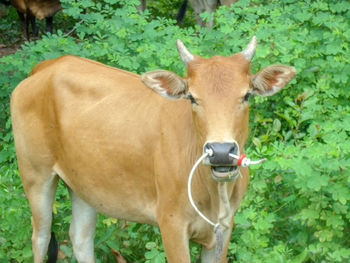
[
  {"x": 165, "y": 83},
  {"x": 272, "y": 79}
]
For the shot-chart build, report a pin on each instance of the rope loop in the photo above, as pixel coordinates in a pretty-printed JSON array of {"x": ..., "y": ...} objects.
[
  {"x": 204, "y": 155},
  {"x": 241, "y": 161},
  {"x": 217, "y": 229}
]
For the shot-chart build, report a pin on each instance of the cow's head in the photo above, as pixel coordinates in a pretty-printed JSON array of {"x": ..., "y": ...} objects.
[{"x": 218, "y": 89}]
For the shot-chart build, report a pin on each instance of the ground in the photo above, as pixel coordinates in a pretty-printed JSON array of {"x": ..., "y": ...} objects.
[{"x": 7, "y": 50}]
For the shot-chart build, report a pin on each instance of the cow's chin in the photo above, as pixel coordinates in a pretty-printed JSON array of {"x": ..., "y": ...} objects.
[{"x": 224, "y": 173}]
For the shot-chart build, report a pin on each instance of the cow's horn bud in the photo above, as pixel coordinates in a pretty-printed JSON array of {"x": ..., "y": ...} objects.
[
  {"x": 185, "y": 55},
  {"x": 249, "y": 51}
]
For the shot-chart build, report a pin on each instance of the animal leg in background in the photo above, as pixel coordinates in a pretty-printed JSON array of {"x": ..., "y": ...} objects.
[
  {"x": 141, "y": 6},
  {"x": 35, "y": 29},
  {"x": 49, "y": 24},
  {"x": 24, "y": 21}
]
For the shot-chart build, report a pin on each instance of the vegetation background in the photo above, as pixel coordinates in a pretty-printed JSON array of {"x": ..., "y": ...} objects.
[{"x": 297, "y": 207}]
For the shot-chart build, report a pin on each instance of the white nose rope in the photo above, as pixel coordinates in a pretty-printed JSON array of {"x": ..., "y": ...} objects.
[
  {"x": 241, "y": 161},
  {"x": 189, "y": 188},
  {"x": 217, "y": 230}
]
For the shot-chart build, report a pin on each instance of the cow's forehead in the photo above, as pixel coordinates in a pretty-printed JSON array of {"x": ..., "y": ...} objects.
[{"x": 218, "y": 73}]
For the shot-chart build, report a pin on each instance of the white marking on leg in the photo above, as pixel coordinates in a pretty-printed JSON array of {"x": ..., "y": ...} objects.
[
  {"x": 208, "y": 255},
  {"x": 82, "y": 229},
  {"x": 41, "y": 205}
]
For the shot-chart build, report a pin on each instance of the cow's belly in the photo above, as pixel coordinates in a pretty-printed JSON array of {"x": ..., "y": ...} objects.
[{"x": 122, "y": 194}]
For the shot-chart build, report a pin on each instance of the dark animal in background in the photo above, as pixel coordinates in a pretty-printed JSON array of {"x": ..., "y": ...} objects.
[
  {"x": 142, "y": 5},
  {"x": 198, "y": 6},
  {"x": 29, "y": 10},
  {"x": 201, "y": 6}
]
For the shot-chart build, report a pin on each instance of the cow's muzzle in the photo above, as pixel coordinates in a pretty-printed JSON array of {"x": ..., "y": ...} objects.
[{"x": 223, "y": 167}]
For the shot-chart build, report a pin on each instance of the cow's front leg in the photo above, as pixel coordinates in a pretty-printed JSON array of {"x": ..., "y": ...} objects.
[
  {"x": 174, "y": 237},
  {"x": 208, "y": 255}
]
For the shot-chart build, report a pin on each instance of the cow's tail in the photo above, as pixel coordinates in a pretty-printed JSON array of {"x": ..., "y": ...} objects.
[
  {"x": 182, "y": 11},
  {"x": 52, "y": 251}
]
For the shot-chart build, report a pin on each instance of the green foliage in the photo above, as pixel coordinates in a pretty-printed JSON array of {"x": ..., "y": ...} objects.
[
  {"x": 297, "y": 207},
  {"x": 9, "y": 29}
]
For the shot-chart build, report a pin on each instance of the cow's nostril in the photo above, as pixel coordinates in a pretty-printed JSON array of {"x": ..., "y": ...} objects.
[
  {"x": 219, "y": 153},
  {"x": 207, "y": 149},
  {"x": 233, "y": 149}
]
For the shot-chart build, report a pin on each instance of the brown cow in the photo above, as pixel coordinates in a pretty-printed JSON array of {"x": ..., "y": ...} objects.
[
  {"x": 28, "y": 10},
  {"x": 126, "y": 151}
]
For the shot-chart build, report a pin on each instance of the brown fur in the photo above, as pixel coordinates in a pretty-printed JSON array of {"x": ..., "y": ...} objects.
[
  {"x": 29, "y": 10},
  {"x": 39, "y": 8},
  {"x": 125, "y": 150}
]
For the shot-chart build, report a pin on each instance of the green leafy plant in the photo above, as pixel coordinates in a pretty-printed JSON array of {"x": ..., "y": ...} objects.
[{"x": 297, "y": 207}]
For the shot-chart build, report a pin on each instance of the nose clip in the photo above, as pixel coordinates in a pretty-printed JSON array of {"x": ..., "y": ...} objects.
[
  {"x": 219, "y": 153},
  {"x": 244, "y": 161}
]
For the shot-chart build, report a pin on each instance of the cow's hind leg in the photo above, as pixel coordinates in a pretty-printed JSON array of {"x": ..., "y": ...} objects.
[
  {"x": 40, "y": 192},
  {"x": 82, "y": 229}
]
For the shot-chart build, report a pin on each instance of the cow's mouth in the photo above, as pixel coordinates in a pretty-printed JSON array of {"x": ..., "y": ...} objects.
[{"x": 224, "y": 173}]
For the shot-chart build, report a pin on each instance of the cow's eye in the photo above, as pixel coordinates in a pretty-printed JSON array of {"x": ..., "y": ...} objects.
[
  {"x": 192, "y": 99},
  {"x": 246, "y": 97}
]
